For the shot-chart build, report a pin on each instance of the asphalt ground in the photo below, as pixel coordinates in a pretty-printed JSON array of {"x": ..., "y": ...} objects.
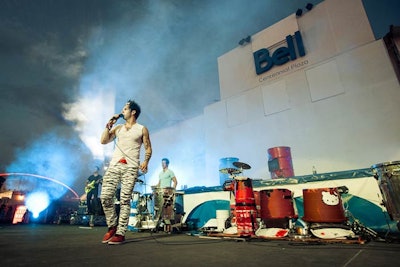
[{"x": 73, "y": 245}]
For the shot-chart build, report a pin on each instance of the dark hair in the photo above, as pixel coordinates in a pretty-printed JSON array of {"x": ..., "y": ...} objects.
[
  {"x": 134, "y": 106},
  {"x": 166, "y": 161}
]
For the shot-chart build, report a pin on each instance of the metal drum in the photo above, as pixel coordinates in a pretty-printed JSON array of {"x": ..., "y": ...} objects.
[
  {"x": 168, "y": 203},
  {"x": 323, "y": 205},
  {"x": 388, "y": 175},
  {"x": 280, "y": 162},
  {"x": 245, "y": 208},
  {"x": 244, "y": 195},
  {"x": 277, "y": 207}
]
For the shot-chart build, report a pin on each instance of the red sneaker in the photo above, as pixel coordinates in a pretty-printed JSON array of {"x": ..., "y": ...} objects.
[
  {"x": 109, "y": 235},
  {"x": 117, "y": 240}
]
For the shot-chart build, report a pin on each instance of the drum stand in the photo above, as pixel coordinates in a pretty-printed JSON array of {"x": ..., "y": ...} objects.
[
  {"x": 168, "y": 200},
  {"x": 159, "y": 220}
]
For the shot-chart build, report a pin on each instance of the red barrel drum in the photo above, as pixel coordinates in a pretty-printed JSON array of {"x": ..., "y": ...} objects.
[
  {"x": 245, "y": 208},
  {"x": 323, "y": 205},
  {"x": 280, "y": 162},
  {"x": 277, "y": 207}
]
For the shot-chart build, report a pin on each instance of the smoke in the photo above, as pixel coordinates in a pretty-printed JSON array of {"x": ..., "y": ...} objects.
[
  {"x": 90, "y": 115},
  {"x": 152, "y": 54},
  {"x": 51, "y": 156},
  {"x": 59, "y": 158},
  {"x": 80, "y": 62},
  {"x": 145, "y": 54}
]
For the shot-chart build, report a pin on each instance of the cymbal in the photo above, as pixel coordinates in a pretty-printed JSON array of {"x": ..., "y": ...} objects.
[
  {"x": 241, "y": 165},
  {"x": 230, "y": 171}
]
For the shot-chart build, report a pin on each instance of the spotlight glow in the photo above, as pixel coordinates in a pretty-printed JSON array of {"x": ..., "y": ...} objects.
[{"x": 36, "y": 202}]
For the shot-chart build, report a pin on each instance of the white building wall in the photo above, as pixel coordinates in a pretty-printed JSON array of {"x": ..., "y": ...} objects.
[{"x": 338, "y": 111}]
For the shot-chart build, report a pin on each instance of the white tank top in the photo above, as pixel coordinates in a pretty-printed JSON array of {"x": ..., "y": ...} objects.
[{"x": 128, "y": 145}]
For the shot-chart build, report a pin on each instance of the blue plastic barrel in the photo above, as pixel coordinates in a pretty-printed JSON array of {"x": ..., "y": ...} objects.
[{"x": 225, "y": 163}]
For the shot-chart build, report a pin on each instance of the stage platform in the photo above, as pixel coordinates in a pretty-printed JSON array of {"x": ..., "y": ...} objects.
[{"x": 73, "y": 245}]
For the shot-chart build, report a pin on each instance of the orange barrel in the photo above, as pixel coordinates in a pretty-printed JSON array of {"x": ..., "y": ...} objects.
[
  {"x": 276, "y": 203},
  {"x": 280, "y": 162},
  {"x": 323, "y": 205},
  {"x": 245, "y": 208},
  {"x": 244, "y": 195},
  {"x": 277, "y": 207},
  {"x": 226, "y": 163}
]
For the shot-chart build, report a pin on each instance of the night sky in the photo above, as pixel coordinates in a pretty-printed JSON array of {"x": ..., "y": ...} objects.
[{"x": 68, "y": 65}]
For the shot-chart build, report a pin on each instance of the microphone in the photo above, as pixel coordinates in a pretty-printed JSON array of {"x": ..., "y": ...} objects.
[{"x": 113, "y": 120}]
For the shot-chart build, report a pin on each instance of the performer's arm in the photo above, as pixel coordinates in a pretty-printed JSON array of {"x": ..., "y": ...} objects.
[
  {"x": 108, "y": 134},
  {"x": 148, "y": 150},
  {"x": 174, "y": 181}
]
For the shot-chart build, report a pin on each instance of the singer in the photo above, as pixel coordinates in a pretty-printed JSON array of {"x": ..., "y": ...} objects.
[{"x": 123, "y": 168}]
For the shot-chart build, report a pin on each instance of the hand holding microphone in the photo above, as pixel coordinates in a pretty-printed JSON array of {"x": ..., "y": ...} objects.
[{"x": 113, "y": 120}]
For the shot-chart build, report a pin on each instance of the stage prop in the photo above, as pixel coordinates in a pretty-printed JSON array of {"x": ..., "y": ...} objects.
[
  {"x": 339, "y": 205},
  {"x": 280, "y": 162}
]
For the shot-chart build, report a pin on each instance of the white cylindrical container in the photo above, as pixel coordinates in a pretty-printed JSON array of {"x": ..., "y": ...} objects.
[{"x": 221, "y": 215}]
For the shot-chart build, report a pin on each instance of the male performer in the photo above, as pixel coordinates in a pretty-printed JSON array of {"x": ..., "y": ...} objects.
[
  {"x": 92, "y": 190},
  {"x": 123, "y": 168},
  {"x": 165, "y": 197},
  {"x": 166, "y": 176}
]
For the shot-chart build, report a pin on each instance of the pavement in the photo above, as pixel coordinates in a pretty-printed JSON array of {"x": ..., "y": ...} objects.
[{"x": 74, "y": 245}]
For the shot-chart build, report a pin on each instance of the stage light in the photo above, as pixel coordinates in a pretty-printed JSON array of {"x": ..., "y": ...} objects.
[
  {"x": 309, "y": 6},
  {"x": 36, "y": 202},
  {"x": 299, "y": 12}
]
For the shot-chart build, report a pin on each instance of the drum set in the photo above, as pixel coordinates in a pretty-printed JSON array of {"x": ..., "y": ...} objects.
[
  {"x": 155, "y": 211},
  {"x": 272, "y": 213}
]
